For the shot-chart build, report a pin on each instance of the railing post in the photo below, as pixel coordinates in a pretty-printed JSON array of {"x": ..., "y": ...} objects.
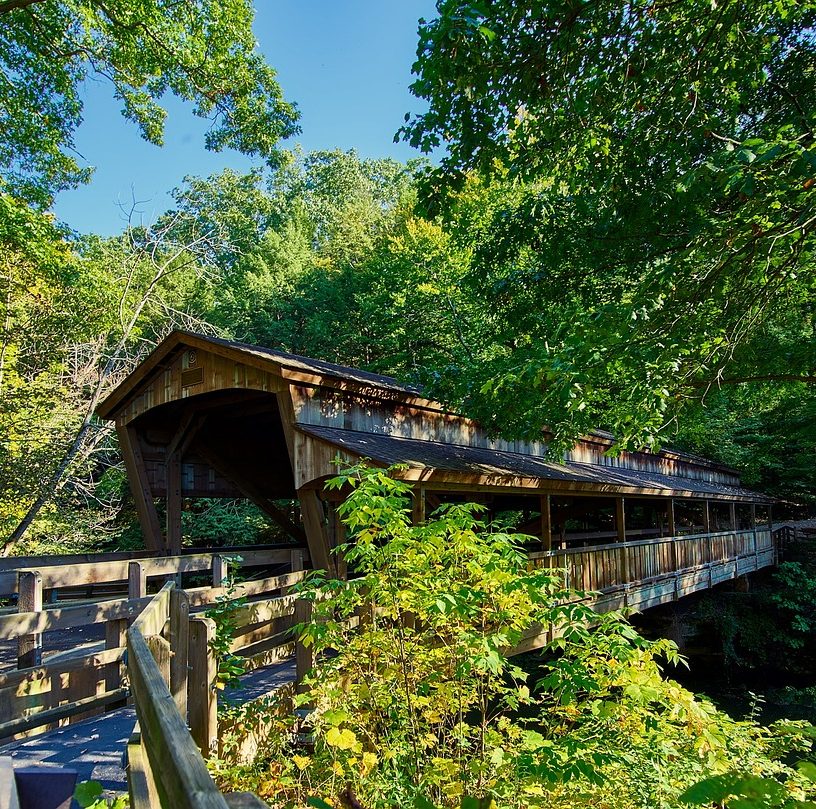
[
  {"x": 710, "y": 561},
  {"x": 160, "y": 649},
  {"x": 202, "y": 706},
  {"x": 137, "y": 580},
  {"x": 620, "y": 525},
  {"x": 303, "y": 655},
  {"x": 29, "y": 599},
  {"x": 296, "y": 560},
  {"x": 179, "y": 643},
  {"x": 115, "y": 638},
  {"x": 220, "y": 570}
]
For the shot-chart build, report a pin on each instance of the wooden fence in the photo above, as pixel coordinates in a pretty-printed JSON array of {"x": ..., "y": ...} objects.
[
  {"x": 171, "y": 669},
  {"x": 47, "y": 689},
  {"x": 172, "y": 680}
]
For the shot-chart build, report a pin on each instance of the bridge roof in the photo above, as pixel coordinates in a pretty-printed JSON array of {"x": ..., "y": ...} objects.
[{"x": 497, "y": 466}]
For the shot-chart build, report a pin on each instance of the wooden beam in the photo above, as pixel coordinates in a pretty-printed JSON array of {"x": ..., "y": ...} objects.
[
  {"x": 337, "y": 538},
  {"x": 311, "y": 508},
  {"x": 140, "y": 486},
  {"x": 173, "y": 510},
  {"x": 672, "y": 523},
  {"x": 732, "y": 507},
  {"x": 29, "y": 647},
  {"x": 620, "y": 518},
  {"x": 179, "y": 644},
  {"x": 185, "y": 432},
  {"x": 706, "y": 518},
  {"x": 546, "y": 523},
  {"x": 251, "y": 491},
  {"x": 202, "y": 705},
  {"x": 418, "y": 505}
]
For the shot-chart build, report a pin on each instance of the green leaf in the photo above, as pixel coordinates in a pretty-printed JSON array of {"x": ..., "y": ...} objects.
[
  {"x": 87, "y": 793},
  {"x": 318, "y": 803},
  {"x": 807, "y": 769}
]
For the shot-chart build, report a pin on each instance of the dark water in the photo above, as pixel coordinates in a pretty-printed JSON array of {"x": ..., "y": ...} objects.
[{"x": 768, "y": 695}]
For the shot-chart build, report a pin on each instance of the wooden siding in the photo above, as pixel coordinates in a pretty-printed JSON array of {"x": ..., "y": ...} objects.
[
  {"x": 326, "y": 407},
  {"x": 192, "y": 372}
]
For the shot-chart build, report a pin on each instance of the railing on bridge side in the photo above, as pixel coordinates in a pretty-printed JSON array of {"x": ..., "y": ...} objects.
[
  {"x": 643, "y": 573},
  {"x": 48, "y": 689},
  {"x": 171, "y": 669}
]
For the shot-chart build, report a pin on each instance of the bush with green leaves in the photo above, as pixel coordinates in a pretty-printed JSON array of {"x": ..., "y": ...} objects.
[{"x": 414, "y": 699}]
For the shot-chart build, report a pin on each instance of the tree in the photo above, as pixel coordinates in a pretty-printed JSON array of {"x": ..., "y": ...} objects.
[
  {"x": 202, "y": 51},
  {"x": 651, "y": 206},
  {"x": 112, "y": 301}
]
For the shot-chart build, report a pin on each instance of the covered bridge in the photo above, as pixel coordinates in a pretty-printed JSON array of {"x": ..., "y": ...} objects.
[{"x": 204, "y": 417}]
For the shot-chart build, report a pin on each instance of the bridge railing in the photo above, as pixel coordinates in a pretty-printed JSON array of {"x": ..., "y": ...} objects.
[
  {"x": 79, "y": 678},
  {"x": 621, "y": 565},
  {"x": 172, "y": 673}
]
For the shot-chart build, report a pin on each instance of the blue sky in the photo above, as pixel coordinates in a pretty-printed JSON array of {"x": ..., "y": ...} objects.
[{"x": 346, "y": 65}]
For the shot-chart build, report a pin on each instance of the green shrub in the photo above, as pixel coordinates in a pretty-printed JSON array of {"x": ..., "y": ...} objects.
[{"x": 414, "y": 700}]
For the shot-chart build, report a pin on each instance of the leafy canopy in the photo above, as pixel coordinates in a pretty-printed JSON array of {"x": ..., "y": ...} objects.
[
  {"x": 647, "y": 229},
  {"x": 202, "y": 51}
]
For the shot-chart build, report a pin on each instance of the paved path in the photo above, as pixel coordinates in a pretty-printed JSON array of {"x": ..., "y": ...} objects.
[{"x": 94, "y": 747}]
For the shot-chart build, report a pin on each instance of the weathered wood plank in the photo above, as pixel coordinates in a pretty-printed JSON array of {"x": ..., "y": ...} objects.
[
  {"x": 50, "y": 715},
  {"x": 258, "y": 612},
  {"x": 29, "y": 647},
  {"x": 202, "y": 706},
  {"x": 181, "y": 774},
  {"x": 141, "y": 787},
  {"x": 179, "y": 643},
  {"x": 12, "y": 626},
  {"x": 154, "y": 616}
]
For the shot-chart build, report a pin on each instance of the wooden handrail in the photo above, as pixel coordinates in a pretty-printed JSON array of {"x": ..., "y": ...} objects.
[
  {"x": 110, "y": 571},
  {"x": 172, "y": 763}
]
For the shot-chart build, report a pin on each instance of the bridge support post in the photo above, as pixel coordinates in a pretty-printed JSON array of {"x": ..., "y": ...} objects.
[
  {"x": 418, "y": 505},
  {"x": 29, "y": 647},
  {"x": 137, "y": 580},
  {"x": 220, "y": 570},
  {"x": 202, "y": 705},
  {"x": 179, "y": 644},
  {"x": 620, "y": 526},
  {"x": 303, "y": 655},
  {"x": 546, "y": 526}
]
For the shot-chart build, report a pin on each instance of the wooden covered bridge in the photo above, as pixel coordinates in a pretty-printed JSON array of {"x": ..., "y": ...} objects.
[{"x": 204, "y": 417}]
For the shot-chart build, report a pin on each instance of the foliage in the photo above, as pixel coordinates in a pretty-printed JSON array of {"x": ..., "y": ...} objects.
[
  {"x": 646, "y": 177},
  {"x": 90, "y": 795},
  {"x": 224, "y": 614},
  {"x": 769, "y": 627},
  {"x": 764, "y": 430},
  {"x": 420, "y": 705},
  {"x": 202, "y": 51}
]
